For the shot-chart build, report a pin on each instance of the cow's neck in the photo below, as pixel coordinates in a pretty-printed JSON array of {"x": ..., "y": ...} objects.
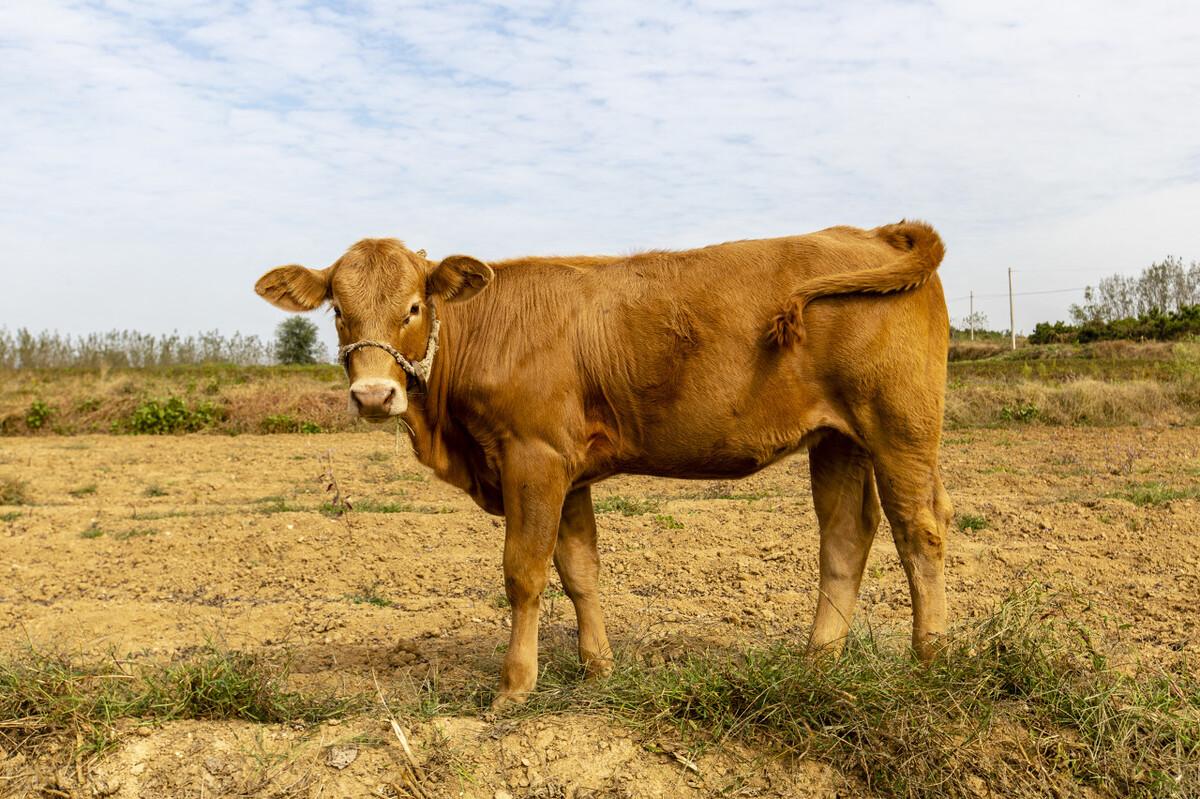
[{"x": 428, "y": 417}]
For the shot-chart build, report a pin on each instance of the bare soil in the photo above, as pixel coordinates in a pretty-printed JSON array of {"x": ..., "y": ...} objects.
[{"x": 148, "y": 547}]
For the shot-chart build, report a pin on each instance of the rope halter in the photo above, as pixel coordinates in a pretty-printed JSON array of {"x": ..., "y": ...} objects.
[{"x": 419, "y": 370}]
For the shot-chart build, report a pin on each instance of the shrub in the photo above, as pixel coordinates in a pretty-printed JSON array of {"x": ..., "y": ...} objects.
[
  {"x": 286, "y": 423},
  {"x": 172, "y": 415},
  {"x": 38, "y": 414},
  {"x": 1019, "y": 412},
  {"x": 297, "y": 341},
  {"x": 1155, "y": 324}
]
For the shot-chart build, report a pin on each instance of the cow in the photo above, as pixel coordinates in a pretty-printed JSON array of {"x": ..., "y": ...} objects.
[{"x": 525, "y": 382}]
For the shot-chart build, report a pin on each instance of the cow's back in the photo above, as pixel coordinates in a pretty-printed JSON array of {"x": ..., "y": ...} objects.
[{"x": 658, "y": 363}]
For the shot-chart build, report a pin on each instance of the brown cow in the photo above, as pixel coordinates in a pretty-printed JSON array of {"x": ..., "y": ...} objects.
[{"x": 709, "y": 363}]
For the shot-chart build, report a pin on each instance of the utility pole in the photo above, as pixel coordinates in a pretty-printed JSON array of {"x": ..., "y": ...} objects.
[
  {"x": 971, "y": 318},
  {"x": 1012, "y": 325}
]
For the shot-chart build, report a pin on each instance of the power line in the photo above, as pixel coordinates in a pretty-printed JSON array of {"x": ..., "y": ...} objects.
[{"x": 1016, "y": 294}]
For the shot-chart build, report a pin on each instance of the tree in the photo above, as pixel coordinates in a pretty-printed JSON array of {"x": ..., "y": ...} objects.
[
  {"x": 1167, "y": 286},
  {"x": 975, "y": 322},
  {"x": 297, "y": 341}
]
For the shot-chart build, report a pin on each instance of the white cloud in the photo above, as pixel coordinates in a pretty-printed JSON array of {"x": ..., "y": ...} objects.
[{"x": 157, "y": 157}]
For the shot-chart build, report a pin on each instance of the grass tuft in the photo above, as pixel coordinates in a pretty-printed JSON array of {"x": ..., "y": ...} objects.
[
  {"x": 44, "y": 696},
  {"x": 972, "y": 521},
  {"x": 626, "y": 506},
  {"x": 1018, "y": 703},
  {"x": 370, "y": 595},
  {"x": 13, "y": 491},
  {"x": 1144, "y": 494},
  {"x": 83, "y": 491}
]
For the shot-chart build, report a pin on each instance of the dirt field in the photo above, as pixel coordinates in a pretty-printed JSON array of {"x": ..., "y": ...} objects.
[{"x": 146, "y": 547}]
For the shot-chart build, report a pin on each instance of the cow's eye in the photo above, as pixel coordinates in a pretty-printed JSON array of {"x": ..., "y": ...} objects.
[
  {"x": 415, "y": 309},
  {"x": 337, "y": 312}
]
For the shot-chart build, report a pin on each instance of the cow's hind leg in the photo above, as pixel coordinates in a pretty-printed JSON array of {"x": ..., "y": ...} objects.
[
  {"x": 578, "y": 564},
  {"x": 918, "y": 508},
  {"x": 848, "y": 511}
]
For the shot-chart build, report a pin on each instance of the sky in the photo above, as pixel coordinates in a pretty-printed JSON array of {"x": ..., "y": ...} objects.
[{"x": 157, "y": 157}]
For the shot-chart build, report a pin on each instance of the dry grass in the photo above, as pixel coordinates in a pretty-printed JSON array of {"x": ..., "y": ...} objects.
[
  {"x": 1077, "y": 402},
  {"x": 1108, "y": 383}
]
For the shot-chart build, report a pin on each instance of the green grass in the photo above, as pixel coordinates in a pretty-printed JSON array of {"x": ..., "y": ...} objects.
[
  {"x": 10, "y": 516},
  {"x": 92, "y": 531},
  {"x": 370, "y": 595},
  {"x": 668, "y": 522},
  {"x": 1018, "y": 702},
  {"x": 378, "y": 506},
  {"x": 55, "y": 697},
  {"x": 626, "y": 506},
  {"x": 277, "y": 504},
  {"x": 83, "y": 491},
  {"x": 375, "y": 506},
  {"x": 971, "y": 521},
  {"x": 13, "y": 491},
  {"x": 155, "y": 490},
  {"x": 1150, "y": 494},
  {"x": 135, "y": 532}
]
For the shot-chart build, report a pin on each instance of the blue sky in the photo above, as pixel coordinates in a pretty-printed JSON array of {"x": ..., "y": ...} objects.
[{"x": 158, "y": 157}]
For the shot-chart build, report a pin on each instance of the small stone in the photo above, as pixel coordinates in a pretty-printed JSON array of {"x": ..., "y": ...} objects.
[
  {"x": 102, "y": 788},
  {"x": 137, "y": 769},
  {"x": 502, "y": 794},
  {"x": 339, "y": 757}
]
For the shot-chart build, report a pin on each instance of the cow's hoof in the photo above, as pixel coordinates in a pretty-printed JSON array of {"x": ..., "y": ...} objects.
[
  {"x": 928, "y": 647},
  {"x": 598, "y": 668},
  {"x": 507, "y": 699}
]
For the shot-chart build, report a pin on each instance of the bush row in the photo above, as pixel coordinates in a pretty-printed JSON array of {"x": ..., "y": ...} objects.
[{"x": 1155, "y": 325}]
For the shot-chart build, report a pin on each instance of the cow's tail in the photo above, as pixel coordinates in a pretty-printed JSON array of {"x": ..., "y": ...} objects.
[{"x": 921, "y": 250}]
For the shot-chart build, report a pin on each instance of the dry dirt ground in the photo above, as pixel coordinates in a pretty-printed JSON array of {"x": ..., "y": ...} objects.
[{"x": 202, "y": 539}]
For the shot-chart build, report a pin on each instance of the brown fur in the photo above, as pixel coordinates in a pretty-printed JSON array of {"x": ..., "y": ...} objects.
[{"x": 564, "y": 371}]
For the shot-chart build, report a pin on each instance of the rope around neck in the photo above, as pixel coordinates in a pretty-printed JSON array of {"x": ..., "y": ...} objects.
[{"x": 420, "y": 370}]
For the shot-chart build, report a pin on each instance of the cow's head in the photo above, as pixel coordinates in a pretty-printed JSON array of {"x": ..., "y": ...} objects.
[{"x": 379, "y": 291}]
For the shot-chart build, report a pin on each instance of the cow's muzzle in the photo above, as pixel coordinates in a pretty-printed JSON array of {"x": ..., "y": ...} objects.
[{"x": 377, "y": 400}]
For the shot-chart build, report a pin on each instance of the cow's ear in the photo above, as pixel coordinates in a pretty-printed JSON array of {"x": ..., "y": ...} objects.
[
  {"x": 294, "y": 288},
  {"x": 458, "y": 277}
]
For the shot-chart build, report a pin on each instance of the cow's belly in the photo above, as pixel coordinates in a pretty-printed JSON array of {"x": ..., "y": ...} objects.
[{"x": 706, "y": 440}]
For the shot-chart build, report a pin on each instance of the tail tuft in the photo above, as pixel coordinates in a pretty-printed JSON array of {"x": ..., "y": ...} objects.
[
  {"x": 916, "y": 237},
  {"x": 787, "y": 328}
]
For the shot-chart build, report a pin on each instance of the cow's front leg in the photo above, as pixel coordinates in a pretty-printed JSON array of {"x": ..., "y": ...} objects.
[{"x": 534, "y": 484}]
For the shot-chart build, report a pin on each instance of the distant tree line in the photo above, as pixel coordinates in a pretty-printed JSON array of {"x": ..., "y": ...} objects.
[
  {"x": 296, "y": 341},
  {"x": 1162, "y": 303},
  {"x": 1165, "y": 287}
]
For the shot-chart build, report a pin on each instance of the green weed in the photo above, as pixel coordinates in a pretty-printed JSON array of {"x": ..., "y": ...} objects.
[
  {"x": 971, "y": 521},
  {"x": 626, "y": 506}
]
